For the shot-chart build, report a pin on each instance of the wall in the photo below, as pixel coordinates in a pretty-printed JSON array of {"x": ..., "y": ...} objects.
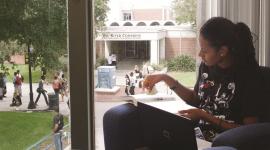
[
  {"x": 180, "y": 46},
  {"x": 147, "y": 14},
  {"x": 100, "y": 48},
  {"x": 18, "y": 59}
]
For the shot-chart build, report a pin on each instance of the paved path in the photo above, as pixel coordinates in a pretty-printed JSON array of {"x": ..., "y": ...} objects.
[
  {"x": 5, "y": 103},
  {"x": 100, "y": 107},
  {"x": 64, "y": 109}
]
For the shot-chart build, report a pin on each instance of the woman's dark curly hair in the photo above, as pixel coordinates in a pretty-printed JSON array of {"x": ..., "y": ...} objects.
[{"x": 219, "y": 31}]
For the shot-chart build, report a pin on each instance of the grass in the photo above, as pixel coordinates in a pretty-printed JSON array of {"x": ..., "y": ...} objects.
[
  {"x": 19, "y": 130},
  {"x": 24, "y": 70},
  {"x": 186, "y": 78}
]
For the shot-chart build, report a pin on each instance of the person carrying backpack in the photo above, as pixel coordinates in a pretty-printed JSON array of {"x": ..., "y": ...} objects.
[
  {"x": 56, "y": 85},
  {"x": 41, "y": 90},
  {"x": 58, "y": 124},
  {"x": 18, "y": 82}
]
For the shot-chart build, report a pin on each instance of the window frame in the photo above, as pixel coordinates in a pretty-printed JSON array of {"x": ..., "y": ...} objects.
[{"x": 80, "y": 45}]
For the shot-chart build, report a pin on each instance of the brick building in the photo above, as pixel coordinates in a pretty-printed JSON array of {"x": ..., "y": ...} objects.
[{"x": 150, "y": 34}]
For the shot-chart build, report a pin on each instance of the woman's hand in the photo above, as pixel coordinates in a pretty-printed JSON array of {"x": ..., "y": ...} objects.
[
  {"x": 150, "y": 80},
  {"x": 193, "y": 114}
]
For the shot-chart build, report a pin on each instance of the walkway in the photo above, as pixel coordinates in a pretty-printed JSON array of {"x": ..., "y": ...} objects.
[{"x": 5, "y": 103}]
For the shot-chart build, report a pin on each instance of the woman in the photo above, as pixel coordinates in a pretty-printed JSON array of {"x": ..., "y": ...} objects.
[
  {"x": 64, "y": 87},
  {"x": 56, "y": 85},
  {"x": 41, "y": 90},
  {"x": 226, "y": 92}
]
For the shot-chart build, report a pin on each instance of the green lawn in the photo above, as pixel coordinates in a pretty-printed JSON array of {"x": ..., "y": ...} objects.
[
  {"x": 186, "y": 78},
  {"x": 20, "y": 130},
  {"x": 24, "y": 70}
]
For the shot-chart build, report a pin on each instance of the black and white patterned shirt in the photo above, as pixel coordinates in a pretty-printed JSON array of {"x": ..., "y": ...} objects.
[{"x": 225, "y": 94}]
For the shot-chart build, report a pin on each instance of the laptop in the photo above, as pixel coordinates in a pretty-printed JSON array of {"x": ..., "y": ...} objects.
[{"x": 163, "y": 130}]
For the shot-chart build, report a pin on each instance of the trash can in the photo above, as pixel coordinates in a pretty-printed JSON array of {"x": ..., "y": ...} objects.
[{"x": 53, "y": 101}]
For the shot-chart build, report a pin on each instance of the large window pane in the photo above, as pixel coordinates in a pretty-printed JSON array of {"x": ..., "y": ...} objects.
[
  {"x": 33, "y": 50},
  {"x": 151, "y": 35}
]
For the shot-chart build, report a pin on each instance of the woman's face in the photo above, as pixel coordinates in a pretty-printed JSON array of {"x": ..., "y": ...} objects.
[{"x": 209, "y": 55}]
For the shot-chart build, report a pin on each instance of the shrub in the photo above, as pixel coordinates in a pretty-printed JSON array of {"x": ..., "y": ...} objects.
[
  {"x": 160, "y": 66},
  {"x": 181, "y": 63},
  {"x": 100, "y": 61}
]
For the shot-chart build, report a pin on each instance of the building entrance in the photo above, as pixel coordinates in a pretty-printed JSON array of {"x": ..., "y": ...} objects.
[{"x": 131, "y": 49}]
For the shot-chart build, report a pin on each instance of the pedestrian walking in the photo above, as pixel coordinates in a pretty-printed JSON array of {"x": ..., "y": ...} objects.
[
  {"x": 127, "y": 88},
  {"x": 18, "y": 82},
  {"x": 56, "y": 85},
  {"x": 41, "y": 90},
  {"x": 132, "y": 83},
  {"x": 64, "y": 87},
  {"x": 1, "y": 86}
]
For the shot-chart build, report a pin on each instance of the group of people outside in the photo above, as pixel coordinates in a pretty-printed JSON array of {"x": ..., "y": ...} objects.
[
  {"x": 135, "y": 79},
  {"x": 59, "y": 85}
]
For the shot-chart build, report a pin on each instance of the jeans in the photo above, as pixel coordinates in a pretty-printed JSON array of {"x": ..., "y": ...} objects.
[
  {"x": 45, "y": 97},
  {"x": 220, "y": 148},
  {"x": 247, "y": 137},
  {"x": 58, "y": 141}
]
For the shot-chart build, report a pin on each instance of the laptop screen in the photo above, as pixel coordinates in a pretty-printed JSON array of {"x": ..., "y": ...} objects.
[{"x": 166, "y": 131}]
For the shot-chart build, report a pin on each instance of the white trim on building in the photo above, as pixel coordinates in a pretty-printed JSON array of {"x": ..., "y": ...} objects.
[{"x": 156, "y": 36}]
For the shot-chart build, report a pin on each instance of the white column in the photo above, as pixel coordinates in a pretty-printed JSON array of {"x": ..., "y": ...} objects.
[
  {"x": 107, "y": 48},
  {"x": 154, "y": 52},
  {"x": 162, "y": 48},
  {"x": 264, "y": 44},
  {"x": 94, "y": 51}
]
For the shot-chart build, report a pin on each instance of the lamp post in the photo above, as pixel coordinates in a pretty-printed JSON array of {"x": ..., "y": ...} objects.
[{"x": 31, "y": 104}]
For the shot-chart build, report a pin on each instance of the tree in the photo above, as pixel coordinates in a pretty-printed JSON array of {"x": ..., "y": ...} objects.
[
  {"x": 100, "y": 8},
  {"x": 11, "y": 15},
  {"x": 185, "y": 11},
  {"x": 39, "y": 23}
]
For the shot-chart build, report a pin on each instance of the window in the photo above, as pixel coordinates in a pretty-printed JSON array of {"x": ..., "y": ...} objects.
[
  {"x": 126, "y": 16},
  {"x": 82, "y": 74}
]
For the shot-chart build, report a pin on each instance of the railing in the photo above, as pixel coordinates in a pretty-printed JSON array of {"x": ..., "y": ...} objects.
[{"x": 47, "y": 142}]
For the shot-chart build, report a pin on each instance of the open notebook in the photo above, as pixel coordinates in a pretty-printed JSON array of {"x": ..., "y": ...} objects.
[{"x": 169, "y": 103}]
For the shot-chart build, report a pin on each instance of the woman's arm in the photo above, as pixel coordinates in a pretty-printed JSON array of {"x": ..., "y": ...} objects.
[
  {"x": 185, "y": 93},
  {"x": 196, "y": 114}
]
